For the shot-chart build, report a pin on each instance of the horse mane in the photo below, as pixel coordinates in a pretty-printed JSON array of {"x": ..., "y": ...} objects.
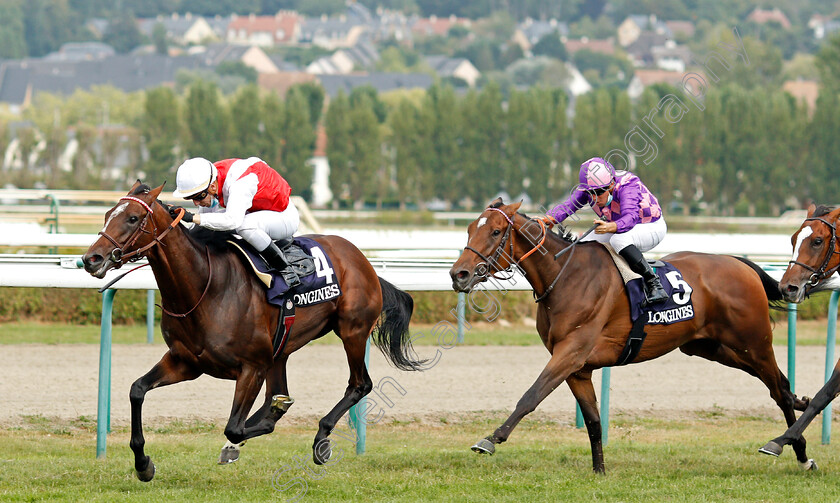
[
  {"x": 823, "y": 210},
  {"x": 141, "y": 189},
  {"x": 215, "y": 240},
  {"x": 563, "y": 234}
]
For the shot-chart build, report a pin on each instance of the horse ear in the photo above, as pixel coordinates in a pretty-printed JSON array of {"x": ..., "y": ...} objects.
[
  {"x": 811, "y": 210},
  {"x": 834, "y": 215},
  {"x": 511, "y": 209},
  {"x": 134, "y": 187},
  {"x": 156, "y": 191},
  {"x": 496, "y": 203}
]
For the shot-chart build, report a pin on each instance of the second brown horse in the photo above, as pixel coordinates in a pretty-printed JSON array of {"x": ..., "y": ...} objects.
[{"x": 583, "y": 315}]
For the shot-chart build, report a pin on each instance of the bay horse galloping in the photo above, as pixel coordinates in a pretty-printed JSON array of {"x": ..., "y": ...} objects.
[
  {"x": 216, "y": 320},
  {"x": 816, "y": 256},
  {"x": 583, "y": 314}
]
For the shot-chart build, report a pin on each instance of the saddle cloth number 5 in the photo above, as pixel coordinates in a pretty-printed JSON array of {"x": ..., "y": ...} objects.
[
  {"x": 322, "y": 267},
  {"x": 682, "y": 290}
]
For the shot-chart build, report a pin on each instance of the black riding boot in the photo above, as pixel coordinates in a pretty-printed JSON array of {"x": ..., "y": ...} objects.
[
  {"x": 277, "y": 259},
  {"x": 654, "y": 293}
]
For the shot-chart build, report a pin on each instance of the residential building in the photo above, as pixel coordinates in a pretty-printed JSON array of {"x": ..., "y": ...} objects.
[
  {"x": 604, "y": 46},
  {"x": 438, "y": 26},
  {"x": 764, "y": 16},
  {"x": 632, "y": 27},
  {"x": 283, "y": 28},
  {"x": 214, "y": 54},
  {"x": 80, "y": 51},
  {"x": 182, "y": 29},
  {"x": 643, "y": 78},
  {"x": 382, "y": 82},
  {"x": 531, "y": 31},
  {"x": 362, "y": 56},
  {"x": 803, "y": 90},
  {"x": 459, "y": 68}
]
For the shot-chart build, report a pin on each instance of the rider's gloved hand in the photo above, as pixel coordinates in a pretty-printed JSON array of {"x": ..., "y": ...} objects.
[{"x": 173, "y": 212}]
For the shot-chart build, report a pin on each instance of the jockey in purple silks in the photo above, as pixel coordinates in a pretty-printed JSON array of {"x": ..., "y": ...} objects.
[{"x": 630, "y": 218}]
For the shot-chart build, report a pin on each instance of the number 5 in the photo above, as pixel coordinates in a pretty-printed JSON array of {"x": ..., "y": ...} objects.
[{"x": 679, "y": 285}]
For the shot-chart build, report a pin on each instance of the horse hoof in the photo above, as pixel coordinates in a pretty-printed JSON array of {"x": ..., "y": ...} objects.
[
  {"x": 322, "y": 452},
  {"x": 147, "y": 474},
  {"x": 809, "y": 465},
  {"x": 484, "y": 446},
  {"x": 771, "y": 448},
  {"x": 801, "y": 403},
  {"x": 230, "y": 453}
]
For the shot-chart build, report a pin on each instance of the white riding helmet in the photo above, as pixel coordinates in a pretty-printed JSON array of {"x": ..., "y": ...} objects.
[{"x": 194, "y": 176}]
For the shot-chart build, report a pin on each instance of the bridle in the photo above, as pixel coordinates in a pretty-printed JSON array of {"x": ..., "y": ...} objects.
[
  {"x": 489, "y": 266},
  {"x": 119, "y": 257},
  {"x": 820, "y": 274}
]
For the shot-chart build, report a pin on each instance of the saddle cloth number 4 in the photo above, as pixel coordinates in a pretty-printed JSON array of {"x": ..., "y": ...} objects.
[
  {"x": 322, "y": 267},
  {"x": 682, "y": 290}
]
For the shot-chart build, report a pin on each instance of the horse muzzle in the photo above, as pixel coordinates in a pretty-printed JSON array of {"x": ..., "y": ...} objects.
[
  {"x": 96, "y": 265},
  {"x": 793, "y": 292},
  {"x": 464, "y": 280}
]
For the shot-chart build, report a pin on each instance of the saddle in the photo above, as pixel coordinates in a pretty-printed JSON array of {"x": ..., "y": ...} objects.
[{"x": 677, "y": 308}]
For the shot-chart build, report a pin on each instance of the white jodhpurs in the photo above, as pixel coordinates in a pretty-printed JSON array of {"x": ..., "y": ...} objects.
[
  {"x": 644, "y": 236},
  {"x": 260, "y": 228}
]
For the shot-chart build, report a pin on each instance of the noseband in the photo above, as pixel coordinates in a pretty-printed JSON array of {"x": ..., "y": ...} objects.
[
  {"x": 118, "y": 256},
  {"x": 820, "y": 274}
]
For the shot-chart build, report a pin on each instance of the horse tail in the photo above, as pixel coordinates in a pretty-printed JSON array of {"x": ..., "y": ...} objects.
[
  {"x": 391, "y": 334},
  {"x": 771, "y": 287}
]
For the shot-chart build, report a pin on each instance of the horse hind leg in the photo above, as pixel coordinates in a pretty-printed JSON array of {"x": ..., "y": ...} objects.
[
  {"x": 248, "y": 385},
  {"x": 760, "y": 362},
  {"x": 358, "y": 386}
]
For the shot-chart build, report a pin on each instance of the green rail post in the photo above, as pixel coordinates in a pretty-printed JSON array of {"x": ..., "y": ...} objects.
[
  {"x": 360, "y": 423},
  {"x": 53, "y": 220},
  {"x": 103, "y": 410},
  {"x": 150, "y": 316},
  {"x": 829, "y": 360},
  {"x": 462, "y": 303},
  {"x": 578, "y": 415},
  {"x": 791, "y": 354},
  {"x": 605, "y": 403}
]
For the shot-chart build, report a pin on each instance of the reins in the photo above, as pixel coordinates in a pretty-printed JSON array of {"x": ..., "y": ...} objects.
[
  {"x": 492, "y": 261},
  {"x": 820, "y": 274},
  {"x": 120, "y": 258}
]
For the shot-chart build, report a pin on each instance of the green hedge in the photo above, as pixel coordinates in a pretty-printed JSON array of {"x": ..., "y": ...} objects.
[{"x": 84, "y": 306}]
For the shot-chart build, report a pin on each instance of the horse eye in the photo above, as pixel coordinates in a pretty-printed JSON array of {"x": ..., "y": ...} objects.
[
  {"x": 496, "y": 232},
  {"x": 817, "y": 242},
  {"x": 132, "y": 219}
]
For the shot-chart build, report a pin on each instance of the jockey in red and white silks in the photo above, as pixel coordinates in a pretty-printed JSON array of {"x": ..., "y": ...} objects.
[{"x": 242, "y": 195}]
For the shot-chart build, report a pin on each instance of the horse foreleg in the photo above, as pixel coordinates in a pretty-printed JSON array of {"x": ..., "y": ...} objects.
[
  {"x": 167, "y": 371},
  {"x": 248, "y": 385},
  {"x": 823, "y": 397},
  {"x": 581, "y": 386},
  {"x": 562, "y": 363},
  {"x": 358, "y": 386}
]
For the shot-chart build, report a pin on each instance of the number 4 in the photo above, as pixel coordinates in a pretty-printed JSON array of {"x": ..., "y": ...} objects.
[
  {"x": 322, "y": 267},
  {"x": 683, "y": 290}
]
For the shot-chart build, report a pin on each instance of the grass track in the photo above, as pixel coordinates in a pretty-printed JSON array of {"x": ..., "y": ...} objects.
[{"x": 710, "y": 458}]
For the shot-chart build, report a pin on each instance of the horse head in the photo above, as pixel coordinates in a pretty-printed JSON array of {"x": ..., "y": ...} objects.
[
  {"x": 489, "y": 246},
  {"x": 814, "y": 249},
  {"x": 130, "y": 229}
]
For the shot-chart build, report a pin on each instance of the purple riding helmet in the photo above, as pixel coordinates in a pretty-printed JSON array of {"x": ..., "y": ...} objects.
[{"x": 596, "y": 173}]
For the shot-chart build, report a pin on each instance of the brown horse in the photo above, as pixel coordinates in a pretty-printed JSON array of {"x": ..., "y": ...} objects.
[
  {"x": 216, "y": 320},
  {"x": 583, "y": 314},
  {"x": 816, "y": 256}
]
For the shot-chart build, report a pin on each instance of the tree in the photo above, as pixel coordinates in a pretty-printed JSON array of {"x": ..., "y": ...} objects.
[
  {"x": 828, "y": 64},
  {"x": 160, "y": 132},
  {"x": 123, "y": 34},
  {"x": 246, "y": 122},
  {"x": 551, "y": 46},
  {"x": 338, "y": 147},
  {"x": 237, "y": 69},
  {"x": 364, "y": 153},
  {"x": 298, "y": 142},
  {"x": 159, "y": 39},
  {"x": 405, "y": 140},
  {"x": 47, "y": 25},
  {"x": 270, "y": 148},
  {"x": 314, "y": 95},
  {"x": 12, "y": 38},
  {"x": 207, "y": 124}
]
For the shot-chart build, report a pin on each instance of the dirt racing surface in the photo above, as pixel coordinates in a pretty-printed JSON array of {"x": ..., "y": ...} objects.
[{"x": 61, "y": 381}]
